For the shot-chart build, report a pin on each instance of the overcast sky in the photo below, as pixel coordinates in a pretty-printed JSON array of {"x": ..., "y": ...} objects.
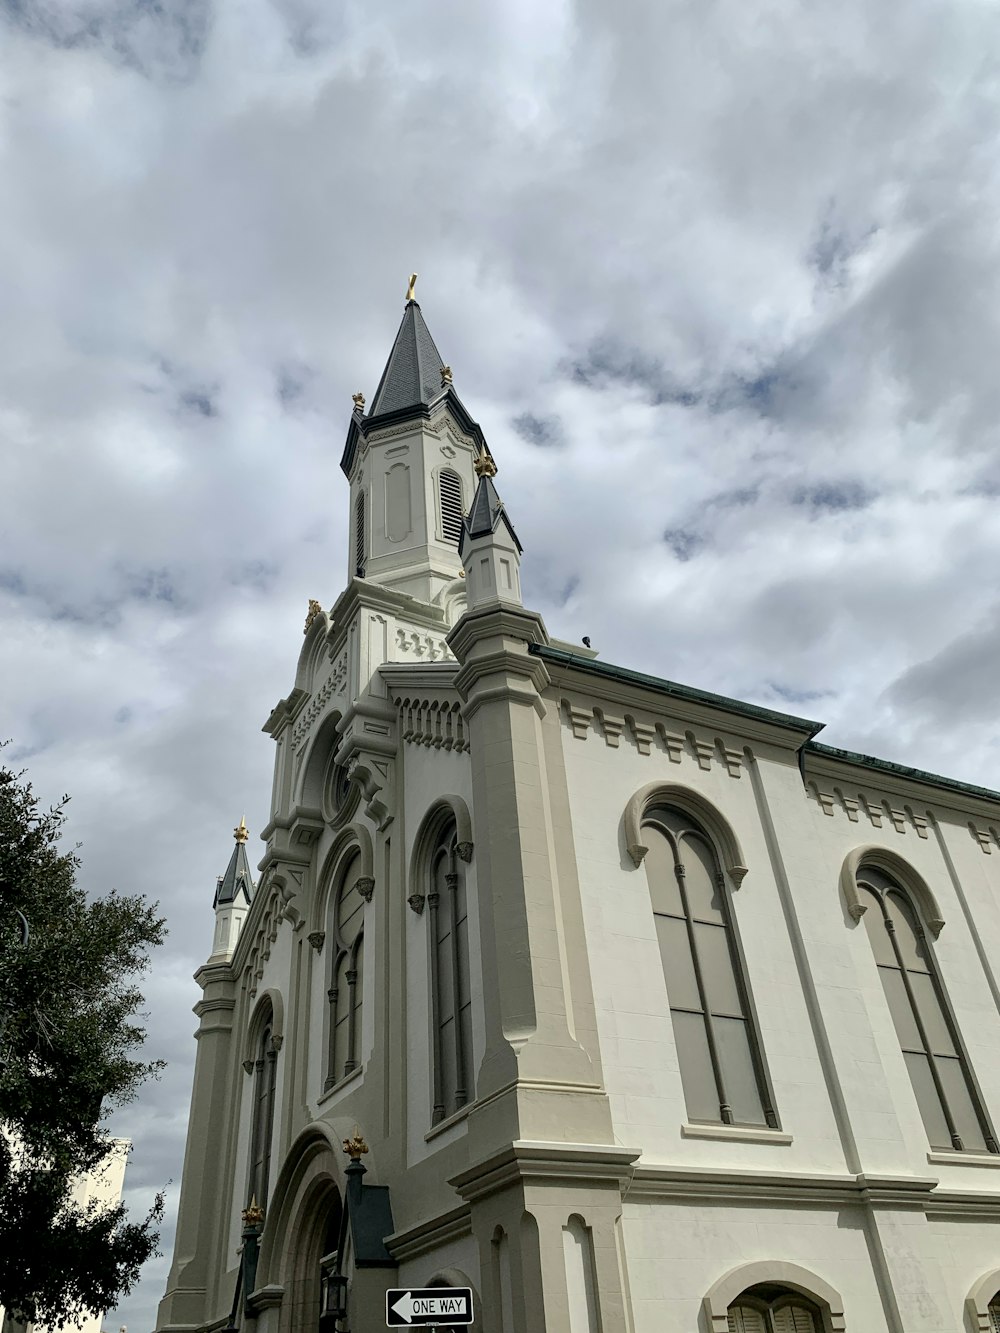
[{"x": 719, "y": 279}]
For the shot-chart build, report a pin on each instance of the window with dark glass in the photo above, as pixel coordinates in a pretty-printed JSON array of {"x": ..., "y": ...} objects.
[
  {"x": 721, "y": 1064},
  {"x": 347, "y": 958},
  {"x": 939, "y": 1070},
  {"x": 773, "y": 1309},
  {"x": 994, "y": 1313},
  {"x": 451, "y": 996},
  {"x": 262, "y": 1121}
]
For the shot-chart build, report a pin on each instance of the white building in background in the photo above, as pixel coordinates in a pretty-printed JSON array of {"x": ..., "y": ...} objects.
[
  {"x": 656, "y": 1013},
  {"x": 104, "y": 1187}
]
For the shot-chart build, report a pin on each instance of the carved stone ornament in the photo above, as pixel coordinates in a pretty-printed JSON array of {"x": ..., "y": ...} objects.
[
  {"x": 416, "y": 901},
  {"x": 277, "y": 1041},
  {"x": 464, "y": 850},
  {"x": 857, "y": 910},
  {"x": 248, "y": 1066},
  {"x": 316, "y": 938},
  {"x": 366, "y": 887},
  {"x": 315, "y": 609}
]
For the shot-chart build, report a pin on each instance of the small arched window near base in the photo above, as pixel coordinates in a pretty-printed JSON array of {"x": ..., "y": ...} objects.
[
  {"x": 346, "y": 989},
  {"x": 767, "y": 1309},
  {"x": 939, "y": 1069},
  {"x": 718, "y": 1048}
]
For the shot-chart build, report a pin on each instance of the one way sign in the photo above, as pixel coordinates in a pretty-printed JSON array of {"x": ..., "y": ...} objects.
[{"x": 414, "y": 1307}]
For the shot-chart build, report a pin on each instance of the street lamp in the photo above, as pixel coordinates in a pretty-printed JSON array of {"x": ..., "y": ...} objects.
[{"x": 333, "y": 1294}]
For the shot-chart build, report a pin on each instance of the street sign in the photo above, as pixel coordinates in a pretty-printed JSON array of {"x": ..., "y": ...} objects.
[{"x": 423, "y": 1307}]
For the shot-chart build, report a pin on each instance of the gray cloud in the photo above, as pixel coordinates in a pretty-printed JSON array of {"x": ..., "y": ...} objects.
[{"x": 740, "y": 265}]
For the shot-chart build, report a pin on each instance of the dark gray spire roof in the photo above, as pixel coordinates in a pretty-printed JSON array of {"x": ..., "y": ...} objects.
[
  {"x": 486, "y": 512},
  {"x": 237, "y": 880},
  {"x": 412, "y": 374}
]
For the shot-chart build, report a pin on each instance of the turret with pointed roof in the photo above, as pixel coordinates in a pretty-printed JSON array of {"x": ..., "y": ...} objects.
[
  {"x": 233, "y": 895},
  {"x": 410, "y": 463},
  {"x": 489, "y": 547}
]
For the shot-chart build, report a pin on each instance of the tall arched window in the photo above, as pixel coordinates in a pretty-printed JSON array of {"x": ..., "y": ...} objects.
[
  {"x": 451, "y": 997},
  {"x": 450, "y": 491},
  {"x": 767, "y": 1309},
  {"x": 347, "y": 958},
  {"x": 262, "y": 1118},
  {"x": 360, "y": 538},
  {"x": 718, "y": 1049},
  {"x": 946, "y": 1093}
]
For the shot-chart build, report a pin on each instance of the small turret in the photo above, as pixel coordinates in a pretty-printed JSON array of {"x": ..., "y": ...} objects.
[
  {"x": 488, "y": 547},
  {"x": 233, "y": 895}
]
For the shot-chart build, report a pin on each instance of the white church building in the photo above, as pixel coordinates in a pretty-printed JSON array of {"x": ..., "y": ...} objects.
[{"x": 640, "y": 1010}]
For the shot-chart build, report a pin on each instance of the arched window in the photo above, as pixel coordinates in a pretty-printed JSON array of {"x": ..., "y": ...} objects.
[
  {"x": 994, "y": 1312},
  {"x": 450, "y": 491},
  {"x": 718, "y": 1049},
  {"x": 772, "y": 1309},
  {"x": 347, "y": 959},
  {"x": 360, "y": 542},
  {"x": 262, "y": 1121},
  {"x": 946, "y": 1093},
  {"x": 451, "y": 997}
]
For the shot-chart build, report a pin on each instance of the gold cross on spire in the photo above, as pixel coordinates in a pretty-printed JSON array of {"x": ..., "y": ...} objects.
[
  {"x": 241, "y": 833},
  {"x": 412, "y": 288}
]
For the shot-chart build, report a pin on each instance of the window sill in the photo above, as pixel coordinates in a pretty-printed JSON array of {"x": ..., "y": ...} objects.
[
  {"x": 353, "y": 1077},
  {"x": 944, "y": 1158},
  {"x": 735, "y": 1134},
  {"x": 448, "y": 1123}
]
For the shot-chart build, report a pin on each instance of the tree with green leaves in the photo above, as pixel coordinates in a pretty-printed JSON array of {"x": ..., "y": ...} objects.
[{"x": 70, "y": 1037}]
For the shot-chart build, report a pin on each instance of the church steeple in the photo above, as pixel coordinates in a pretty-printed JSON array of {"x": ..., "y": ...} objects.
[
  {"x": 233, "y": 895},
  {"x": 410, "y": 463},
  {"x": 414, "y": 374}
]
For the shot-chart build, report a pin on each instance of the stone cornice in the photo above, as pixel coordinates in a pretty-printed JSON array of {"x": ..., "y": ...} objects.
[
  {"x": 631, "y": 691},
  {"x": 404, "y": 678},
  {"x": 908, "y": 784},
  {"x": 429, "y": 1234},
  {"x": 561, "y": 1161},
  {"x": 816, "y": 1190},
  {"x": 285, "y": 711}
]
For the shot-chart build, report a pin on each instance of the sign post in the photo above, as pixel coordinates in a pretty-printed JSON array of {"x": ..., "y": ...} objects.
[{"x": 428, "y": 1307}]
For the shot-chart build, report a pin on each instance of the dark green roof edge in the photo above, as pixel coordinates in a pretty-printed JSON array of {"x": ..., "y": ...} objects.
[
  {"x": 900, "y": 770},
  {"x": 688, "y": 692}
]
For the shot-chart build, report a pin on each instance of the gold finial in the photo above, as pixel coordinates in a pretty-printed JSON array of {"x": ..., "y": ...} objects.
[
  {"x": 445, "y": 375},
  {"x": 412, "y": 287},
  {"x": 254, "y": 1215},
  {"x": 484, "y": 465},
  {"x": 359, "y": 401},
  {"x": 241, "y": 833},
  {"x": 355, "y": 1147},
  {"x": 314, "y": 610}
]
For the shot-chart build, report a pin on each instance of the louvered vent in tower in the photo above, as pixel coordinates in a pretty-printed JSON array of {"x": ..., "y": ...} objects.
[
  {"x": 359, "y": 535},
  {"x": 451, "y": 505}
]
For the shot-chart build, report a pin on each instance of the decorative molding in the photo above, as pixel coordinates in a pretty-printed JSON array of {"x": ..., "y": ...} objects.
[
  {"x": 464, "y": 850},
  {"x": 982, "y": 836},
  {"x": 735, "y": 1134},
  {"x": 611, "y": 727},
  {"x": 333, "y": 685},
  {"x": 673, "y": 744},
  {"x": 421, "y": 645},
  {"x": 701, "y": 809},
  {"x": 703, "y": 751},
  {"x": 430, "y": 1234},
  {"x": 366, "y": 887},
  {"x": 416, "y": 901},
  {"x": 436, "y": 723},
  {"x": 733, "y": 759},
  {"x": 316, "y": 938},
  {"x": 892, "y": 864},
  {"x": 722, "y": 1294},
  {"x": 580, "y": 719},
  {"x": 642, "y": 734}
]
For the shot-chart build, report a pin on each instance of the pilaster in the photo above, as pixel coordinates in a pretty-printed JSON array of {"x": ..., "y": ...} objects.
[
  {"x": 537, "y": 1080},
  {"x": 199, "y": 1220}
]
